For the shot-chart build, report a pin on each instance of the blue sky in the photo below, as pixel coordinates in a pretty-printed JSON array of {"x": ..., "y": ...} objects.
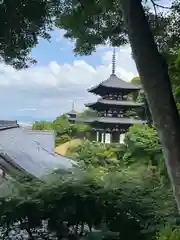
[
  {"x": 48, "y": 89},
  {"x": 60, "y": 49}
]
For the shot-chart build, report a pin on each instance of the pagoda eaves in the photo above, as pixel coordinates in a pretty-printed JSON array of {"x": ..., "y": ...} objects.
[
  {"x": 110, "y": 120},
  {"x": 115, "y": 104},
  {"x": 108, "y": 103},
  {"x": 114, "y": 83}
]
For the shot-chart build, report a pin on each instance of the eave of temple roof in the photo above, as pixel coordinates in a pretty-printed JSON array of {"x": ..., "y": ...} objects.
[
  {"x": 110, "y": 120},
  {"x": 115, "y": 82},
  {"x": 18, "y": 148},
  {"x": 7, "y": 124},
  {"x": 113, "y": 120},
  {"x": 72, "y": 112},
  {"x": 114, "y": 103}
]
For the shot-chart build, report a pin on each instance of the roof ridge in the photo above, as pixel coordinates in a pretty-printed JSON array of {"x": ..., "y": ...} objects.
[
  {"x": 115, "y": 82},
  {"x": 8, "y": 124}
]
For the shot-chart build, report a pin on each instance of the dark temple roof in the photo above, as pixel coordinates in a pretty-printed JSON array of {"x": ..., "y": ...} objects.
[
  {"x": 119, "y": 120},
  {"x": 111, "y": 120},
  {"x": 21, "y": 150},
  {"x": 102, "y": 102},
  {"x": 7, "y": 124},
  {"x": 72, "y": 112},
  {"x": 115, "y": 82}
]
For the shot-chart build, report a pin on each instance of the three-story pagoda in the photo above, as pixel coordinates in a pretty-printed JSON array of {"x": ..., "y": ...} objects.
[
  {"x": 72, "y": 115},
  {"x": 115, "y": 107}
]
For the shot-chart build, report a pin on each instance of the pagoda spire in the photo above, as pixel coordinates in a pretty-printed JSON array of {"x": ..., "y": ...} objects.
[
  {"x": 114, "y": 61},
  {"x": 73, "y": 106}
]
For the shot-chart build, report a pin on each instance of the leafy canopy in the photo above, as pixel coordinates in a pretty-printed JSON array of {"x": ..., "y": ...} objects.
[
  {"x": 74, "y": 206},
  {"x": 93, "y": 22},
  {"x": 21, "y": 25}
]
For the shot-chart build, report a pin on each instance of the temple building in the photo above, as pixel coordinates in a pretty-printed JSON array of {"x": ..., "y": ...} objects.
[
  {"x": 116, "y": 107},
  {"x": 27, "y": 152},
  {"x": 72, "y": 115}
]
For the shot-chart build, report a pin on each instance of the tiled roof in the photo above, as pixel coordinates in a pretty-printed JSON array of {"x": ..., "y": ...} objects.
[
  {"x": 45, "y": 138},
  {"x": 115, "y": 82},
  {"x": 6, "y": 124},
  {"x": 17, "y": 146},
  {"x": 111, "y": 120},
  {"x": 72, "y": 112},
  {"x": 119, "y": 120},
  {"x": 115, "y": 102}
]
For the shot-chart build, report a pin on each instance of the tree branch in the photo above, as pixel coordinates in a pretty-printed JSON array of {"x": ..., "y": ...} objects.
[{"x": 158, "y": 5}]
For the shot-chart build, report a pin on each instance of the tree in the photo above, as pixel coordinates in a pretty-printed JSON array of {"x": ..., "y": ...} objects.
[
  {"x": 61, "y": 124},
  {"x": 88, "y": 113},
  {"x": 140, "y": 97},
  {"x": 22, "y": 23},
  {"x": 72, "y": 208},
  {"x": 94, "y": 22},
  {"x": 94, "y": 155},
  {"x": 42, "y": 125}
]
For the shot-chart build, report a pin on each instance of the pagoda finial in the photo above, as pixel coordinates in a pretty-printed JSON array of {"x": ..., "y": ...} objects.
[
  {"x": 114, "y": 61},
  {"x": 73, "y": 106}
]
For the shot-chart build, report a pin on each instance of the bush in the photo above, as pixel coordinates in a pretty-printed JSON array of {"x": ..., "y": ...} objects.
[
  {"x": 62, "y": 139},
  {"x": 73, "y": 207},
  {"x": 142, "y": 145},
  {"x": 94, "y": 154},
  {"x": 169, "y": 233}
]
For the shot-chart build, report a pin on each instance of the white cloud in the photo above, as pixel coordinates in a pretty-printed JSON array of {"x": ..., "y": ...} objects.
[
  {"x": 45, "y": 92},
  {"x": 59, "y": 34}
]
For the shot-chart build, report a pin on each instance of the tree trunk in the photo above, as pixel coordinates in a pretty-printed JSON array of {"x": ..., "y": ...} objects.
[{"x": 153, "y": 72}]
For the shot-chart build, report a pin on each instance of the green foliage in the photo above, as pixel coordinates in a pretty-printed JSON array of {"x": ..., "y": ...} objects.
[
  {"x": 142, "y": 148},
  {"x": 42, "y": 125},
  {"x": 61, "y": 124},
  {"x": 88, "y": 113},
  {"x": 64, "y": 129},
  {"x": 93, "y": 154},
  {"x": 78, "y": 205},
  {"x": 62, "y": 139},
  {"x": 92, "y": 23},
  {"x": 80, "y": 131},
  {"x": 143, "y": 145},
  {"x": 22, "y": 22},
  {"x": 174, "y": 72},
  {"x": 169, "y": 233},
  {"x": 136, "y": 80}
]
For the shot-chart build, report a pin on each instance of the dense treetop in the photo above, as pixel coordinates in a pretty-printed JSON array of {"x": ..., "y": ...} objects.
[
  {"x": 22, "y": 24},
  {"x": 99, "y": 22},
  {"x": 89, "y": 23}
]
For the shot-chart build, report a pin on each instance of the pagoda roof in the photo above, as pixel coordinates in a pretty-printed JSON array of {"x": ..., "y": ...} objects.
[
  {"x": 24, "y": 152},
  {"x": 115, "y": 82},
  {"x": 119, "y": 120},
  {"x": 111, "y": 120},
  {"x": 72, "y": 112},
  {"x": 115, "y": 102}
]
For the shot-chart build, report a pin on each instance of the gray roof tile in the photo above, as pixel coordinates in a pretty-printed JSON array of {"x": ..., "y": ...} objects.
[
  {"x": 116, "y": 102},
  {"x": 45, "y": 138},
  {"x": 111, "y": 120},
  {"x": 115, "y": 82},
  {"x": 26, "y": 154},
  {"x": 6, "y": 124}
]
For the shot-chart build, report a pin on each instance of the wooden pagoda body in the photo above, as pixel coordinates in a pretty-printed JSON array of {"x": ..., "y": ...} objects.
[
  {"x": 115, "y": 107},
  {"x": 72, "y": 116}
]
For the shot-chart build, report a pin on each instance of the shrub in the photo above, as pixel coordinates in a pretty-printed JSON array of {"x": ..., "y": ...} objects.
[
  {"x": 169, "y": 233},
  {"x": 62, "y": 139},
  {"x": 77, "y": 205}
]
